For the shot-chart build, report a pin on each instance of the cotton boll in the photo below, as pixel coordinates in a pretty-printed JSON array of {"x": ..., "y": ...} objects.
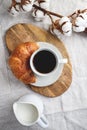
[
  {"x": 64, "y": 19},
  {"x": 84, "y": 16},
  {"x": 78, "y": 29},
  {"x": 14, "y": 12},
  {"x": 80, "y": 21},
  {"x": 67, "y": 26},
  {"x": 27, "y": 7},
  {"x": 17, "y": 7},
  {"x": 38, "y": 14},
  {"x": 57, "y": 32},
  {"x": 54, "y": 31},
  {"x": 69, "y": 33},
  {"x": 44, "y": 5}
]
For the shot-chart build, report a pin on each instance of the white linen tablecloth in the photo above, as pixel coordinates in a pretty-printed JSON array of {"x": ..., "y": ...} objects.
[{"x": 11, "y": 89}]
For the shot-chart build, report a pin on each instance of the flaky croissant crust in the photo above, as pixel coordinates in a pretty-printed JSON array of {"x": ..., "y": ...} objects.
[{"x": 19, "y": 62}]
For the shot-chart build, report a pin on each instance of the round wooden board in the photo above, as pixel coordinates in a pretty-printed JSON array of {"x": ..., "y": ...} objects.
[{"x": 20, "y": 33}]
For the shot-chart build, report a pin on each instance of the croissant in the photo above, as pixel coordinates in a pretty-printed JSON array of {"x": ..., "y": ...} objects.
[{"x": 19, "y": 62}]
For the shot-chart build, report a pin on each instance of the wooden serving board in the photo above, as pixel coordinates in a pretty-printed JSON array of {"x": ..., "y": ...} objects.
[{"x": 20, "y": 33}]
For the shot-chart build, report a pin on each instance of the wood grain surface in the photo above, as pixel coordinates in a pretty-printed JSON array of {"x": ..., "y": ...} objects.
[{"x": 20, "y": 33}]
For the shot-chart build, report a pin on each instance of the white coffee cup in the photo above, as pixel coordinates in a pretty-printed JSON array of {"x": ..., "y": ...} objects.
[
  {"x": 29, "y": 111},
  {"x": 54, "y": 55}
]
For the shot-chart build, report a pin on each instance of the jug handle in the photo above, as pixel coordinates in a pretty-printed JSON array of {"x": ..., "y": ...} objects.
[{"x": 43, "y": 122}]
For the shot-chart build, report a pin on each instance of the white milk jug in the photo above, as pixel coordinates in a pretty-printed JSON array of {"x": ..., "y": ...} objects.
[{"x": 29, "y": 110}]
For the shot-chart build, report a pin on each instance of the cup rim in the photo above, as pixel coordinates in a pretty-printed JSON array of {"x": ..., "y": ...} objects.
[{"x": 32, "y": 65}]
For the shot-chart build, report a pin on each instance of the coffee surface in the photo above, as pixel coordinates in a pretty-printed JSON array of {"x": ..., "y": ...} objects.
[{"x": 44, "y": 61}]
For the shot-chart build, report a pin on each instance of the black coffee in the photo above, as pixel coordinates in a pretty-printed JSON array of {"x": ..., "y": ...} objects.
[{"x": 44, "y": 61}]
